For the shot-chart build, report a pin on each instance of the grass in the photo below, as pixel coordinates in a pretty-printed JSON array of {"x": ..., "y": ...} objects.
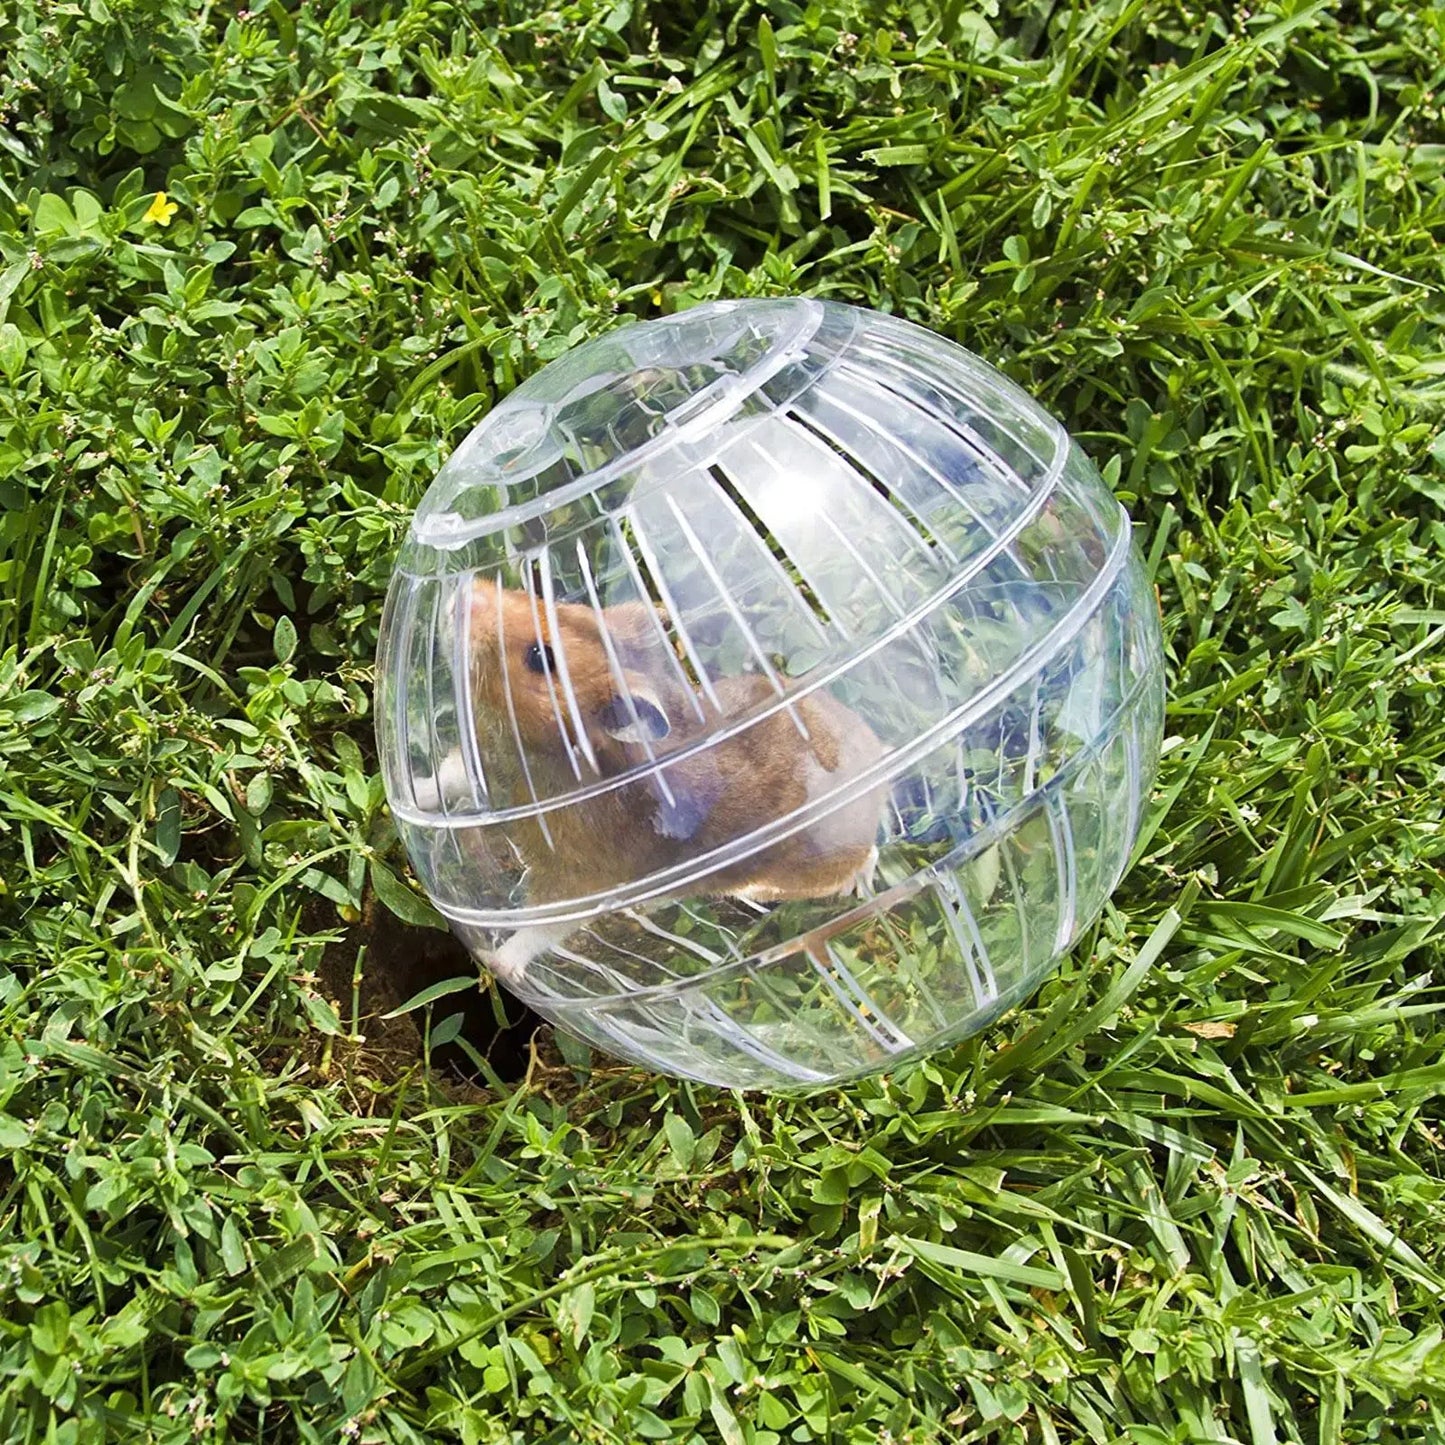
[{"x": 1191, "y": 1192}]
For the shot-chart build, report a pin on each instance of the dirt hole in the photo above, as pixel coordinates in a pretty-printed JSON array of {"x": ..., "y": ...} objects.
[{"x": 399, "y": 961}]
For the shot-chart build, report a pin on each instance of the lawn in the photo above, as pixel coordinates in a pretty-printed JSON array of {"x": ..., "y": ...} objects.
[{"x": 259, "y": 272}]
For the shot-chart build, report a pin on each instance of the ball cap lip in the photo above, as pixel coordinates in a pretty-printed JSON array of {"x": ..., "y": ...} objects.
[{"x": 523, "y": 436}]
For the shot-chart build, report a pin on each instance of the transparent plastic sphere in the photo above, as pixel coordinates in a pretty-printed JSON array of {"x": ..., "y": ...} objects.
[{"x": 769, "y": 693}]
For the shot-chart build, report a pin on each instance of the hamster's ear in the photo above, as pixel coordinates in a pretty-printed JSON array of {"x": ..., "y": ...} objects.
[
  {"x": 650, "y": 723},
  {"x": 634, "y": 628}
]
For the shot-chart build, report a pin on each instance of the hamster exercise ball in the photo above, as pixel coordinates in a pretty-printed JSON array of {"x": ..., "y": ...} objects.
[{"x": 769, "y": 693}]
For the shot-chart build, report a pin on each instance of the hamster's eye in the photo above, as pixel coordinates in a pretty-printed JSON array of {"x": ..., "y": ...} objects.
[{"x": 538, "y": 658}]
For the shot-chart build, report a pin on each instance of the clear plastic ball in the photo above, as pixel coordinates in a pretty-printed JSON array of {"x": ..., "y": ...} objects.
[{"x": 769, "y": 693}]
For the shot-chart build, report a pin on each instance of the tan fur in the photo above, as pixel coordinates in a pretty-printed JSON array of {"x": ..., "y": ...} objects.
[
  {"x": 771, "y": 770},
  {"x": 723, "y": 792}
]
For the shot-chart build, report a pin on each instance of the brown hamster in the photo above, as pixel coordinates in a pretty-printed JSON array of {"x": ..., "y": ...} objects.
[{"x": 568, "y": 706}]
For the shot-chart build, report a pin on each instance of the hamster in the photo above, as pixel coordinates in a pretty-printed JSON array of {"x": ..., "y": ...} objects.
[{"x": 635, "y": 706}]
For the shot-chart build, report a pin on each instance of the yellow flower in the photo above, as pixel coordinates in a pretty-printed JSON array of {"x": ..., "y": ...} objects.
[{"x": 161, "y": 210}]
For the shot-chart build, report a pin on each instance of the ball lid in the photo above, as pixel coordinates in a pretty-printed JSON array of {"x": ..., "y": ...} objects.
[{"x": 613, "y": 403}]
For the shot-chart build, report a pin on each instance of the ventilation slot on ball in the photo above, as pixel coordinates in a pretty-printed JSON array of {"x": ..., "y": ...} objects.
[
  {"x": 647, "y": 560},
  {"x": 983, "y": 493},
  {"x": 730, "y": 605},
  {"x": 910, "y": 371},
  {"x": 647, "y": 590},
  {"x": 857, "y": 552},
  {"x": 891, "y": 494},
  {"x": 786, "y": 580},
  {"x": 968, "y": 939},
  {"x": 559, "y": 654},
  {"x": 1061, "y": 830},
  {"x": 712, "y": 583},
  {"x": 855, "y": 1001}
]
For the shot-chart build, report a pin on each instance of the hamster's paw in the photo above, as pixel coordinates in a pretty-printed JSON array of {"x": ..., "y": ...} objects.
[
  {"x": 510, "y": 961},
  {"x": 447, "y": 788}
]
